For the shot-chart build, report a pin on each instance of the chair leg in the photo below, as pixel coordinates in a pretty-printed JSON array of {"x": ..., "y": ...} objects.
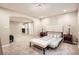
[{"x": 43, "y": 51}]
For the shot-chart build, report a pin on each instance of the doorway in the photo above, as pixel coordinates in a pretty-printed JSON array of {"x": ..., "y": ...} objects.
[{"x": 20, "y": 26}]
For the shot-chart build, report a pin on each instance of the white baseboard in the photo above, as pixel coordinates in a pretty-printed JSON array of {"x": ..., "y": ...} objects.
[{"x": 5, "y": 45}]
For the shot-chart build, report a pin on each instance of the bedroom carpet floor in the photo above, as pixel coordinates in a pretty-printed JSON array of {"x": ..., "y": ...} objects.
[{"x": 21, "y": 47}]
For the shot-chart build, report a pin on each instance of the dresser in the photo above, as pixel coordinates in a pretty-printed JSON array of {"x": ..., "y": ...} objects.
[{"x": 68, "y": 38}]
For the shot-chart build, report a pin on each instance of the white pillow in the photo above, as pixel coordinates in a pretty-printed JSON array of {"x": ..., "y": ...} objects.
[
  {"x": 58, "y": 35},
  {"x": 50, "y": 35},
  {"x": 54, "y": 35}
]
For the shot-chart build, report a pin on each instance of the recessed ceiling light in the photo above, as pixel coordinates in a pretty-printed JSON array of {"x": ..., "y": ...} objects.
[
  {"x": 65, "y": 10},
  {"x": 39, "y": 4}
]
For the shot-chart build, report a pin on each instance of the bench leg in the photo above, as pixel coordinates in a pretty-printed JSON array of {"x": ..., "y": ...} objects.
[
  {"x": 30, "y": 44},
  {"x": 43, "y": 51}
]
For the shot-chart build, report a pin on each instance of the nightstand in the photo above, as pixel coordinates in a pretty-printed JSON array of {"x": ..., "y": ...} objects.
[
  {"x": 42, "y": 34},
  {"x": 68, "y": 38}
]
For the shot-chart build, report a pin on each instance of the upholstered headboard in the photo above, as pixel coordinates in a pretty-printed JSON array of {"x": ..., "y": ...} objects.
[
  {"x": 54, "y": 32},
  {"x": 56, "y": 29}
]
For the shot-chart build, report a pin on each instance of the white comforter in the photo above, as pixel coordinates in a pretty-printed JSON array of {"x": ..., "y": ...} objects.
[
  {"x": 45, "y": 41},
  {"x": 55, "y": 42}
]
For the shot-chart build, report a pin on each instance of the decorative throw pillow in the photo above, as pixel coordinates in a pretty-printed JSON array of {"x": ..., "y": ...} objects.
[
  {"x": 58, "y": 35},
  {"x": 54, "y": 35}
]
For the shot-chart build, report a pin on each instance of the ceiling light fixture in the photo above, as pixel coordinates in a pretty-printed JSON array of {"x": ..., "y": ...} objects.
[{"x": 39, "y": 5}]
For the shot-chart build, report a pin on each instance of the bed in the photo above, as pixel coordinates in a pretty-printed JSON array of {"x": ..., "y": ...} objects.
[{"x": 52, "y": 40}]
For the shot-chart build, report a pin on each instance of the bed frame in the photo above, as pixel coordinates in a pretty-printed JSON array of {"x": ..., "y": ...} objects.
[{"x": 44, "y": 49}]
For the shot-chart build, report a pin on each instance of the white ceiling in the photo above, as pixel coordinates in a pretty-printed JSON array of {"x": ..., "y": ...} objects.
[{"x": 45, "y": 10}]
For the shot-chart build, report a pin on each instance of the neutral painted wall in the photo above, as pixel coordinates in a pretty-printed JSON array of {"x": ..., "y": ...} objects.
[
  {"x": 4, "y": 27},
  {"x": 15, "y": 28},
  {"x": 78, "y": 26},
  {"x": 62, "y": 21}
]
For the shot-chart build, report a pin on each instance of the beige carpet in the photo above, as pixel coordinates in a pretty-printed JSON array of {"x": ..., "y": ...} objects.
[{"x": 21, "y": 47}]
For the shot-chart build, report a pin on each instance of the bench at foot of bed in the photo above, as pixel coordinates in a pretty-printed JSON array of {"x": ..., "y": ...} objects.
[{"x": 43, "y": 49}]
